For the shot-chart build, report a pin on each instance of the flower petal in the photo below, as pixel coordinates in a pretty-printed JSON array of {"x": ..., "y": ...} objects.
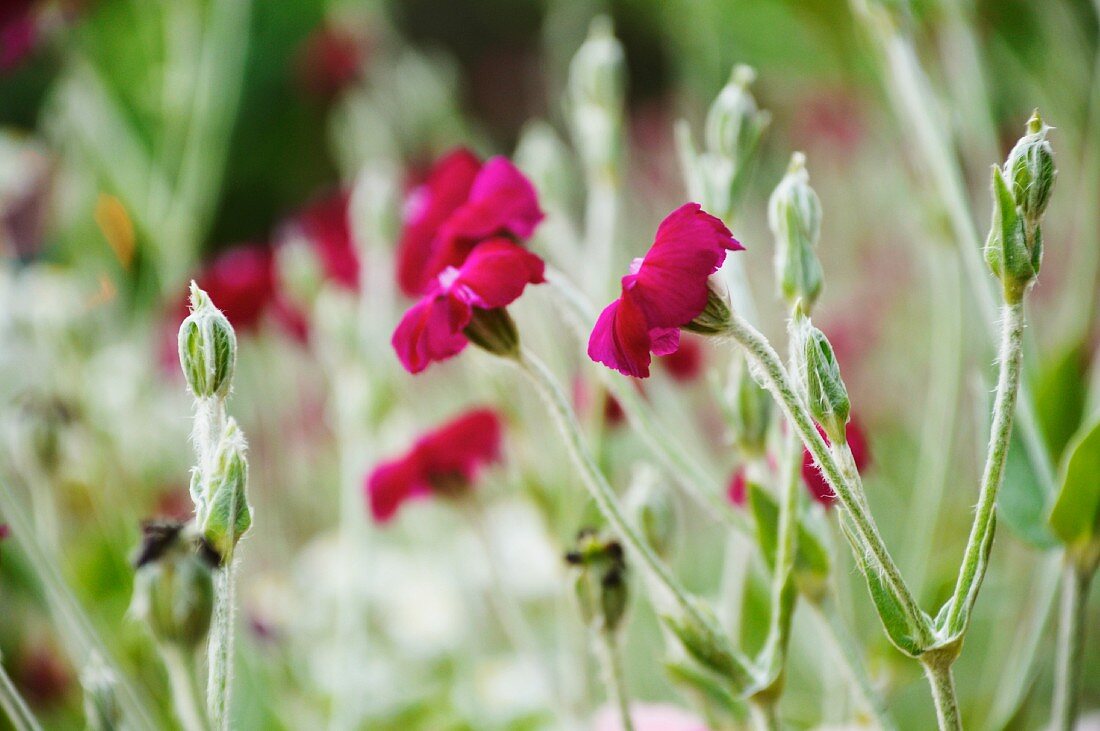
[
  {"x": 431, "y": 330},
  {"x": 496, "y": 272},
  {"x": 462, "y": 445},
  {"x": 392, "y": 483},
  {"x": 620, "y": 339}
]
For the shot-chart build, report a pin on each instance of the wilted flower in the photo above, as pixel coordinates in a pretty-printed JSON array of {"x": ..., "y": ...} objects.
[
  {"x": 601, "y": 580},
  {"x": 462, "y": 204},
  {"x": 812, "y": 476},
  {"x": 467, "y": 304},
  {"x": 666, "y": 290},
  {"x": 442, "y": 462},
  {"x": 173, "y": 586}
]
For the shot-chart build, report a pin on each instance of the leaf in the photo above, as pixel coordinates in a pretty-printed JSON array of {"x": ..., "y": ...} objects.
[
  {"x": 1076, "y": 511},
  {"x": 811, "y": 560},
  {"x": 711, "y": 688},
  {"x": 1060, "y": 397},
  {"x": 1021, "y": 501}
]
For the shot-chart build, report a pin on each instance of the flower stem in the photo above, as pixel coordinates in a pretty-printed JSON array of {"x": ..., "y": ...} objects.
[
  {"x": 604, "y": 495},
  {"x": 1069, "y": 664},
  {"x": 981, "y": 533},
  {"x": 773, "y": 375},
  {"x": 611, "y": 660},
  {"x": 15, "y": 707},
  {"x": 219, "y": 688},
  {"x": 940, "y": 677},
  {"x": 180, "y": 664},
  {"x": 782, "y": 597},
  {"x": 765, "y": 715}
]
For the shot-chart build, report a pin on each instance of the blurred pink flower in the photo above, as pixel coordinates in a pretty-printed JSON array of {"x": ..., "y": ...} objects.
[
  {"x": 738, "y": 488},
  {"x": 324, "y": 223},
  {"x": 329, "y": 61},
  {"x": 444, "y": 461},
  {"x": 686, "y": 363},
  {"x": 461, "y": 204},
  {"x": 812, "y": 476},
  {"x": 18, "y": 32},
  {"x": 664, "y": 291},
  {"x": 493, "y": 275},
  {"x": 241, "y": 283},
  {"x": 649, "y": 717}
]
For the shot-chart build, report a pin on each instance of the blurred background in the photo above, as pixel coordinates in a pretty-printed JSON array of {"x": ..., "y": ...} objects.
[{"x": 265, "y": 149}]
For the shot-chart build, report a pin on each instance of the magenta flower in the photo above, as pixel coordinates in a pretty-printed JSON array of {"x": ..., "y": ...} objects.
[
  {"x": 686, "y": 363},
  {"x": 737, "y": 492},
  {"x": 324, "y": 223},
  {"x": 812, "y": 476},
  {"x": 461, "y": 204},
  {"x": 444, "y": 461},
  {"x": 493, "y": 276},
  {"x": 663, "y": 292}
]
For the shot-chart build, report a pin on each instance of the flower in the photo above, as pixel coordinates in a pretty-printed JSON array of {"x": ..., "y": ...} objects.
[
  {"x": 664, "y": 291},
  {"x": 685, "y": 364},
  {"x": 649, "y": 717},
  {"x": 329, "y": 60},
  {"x": 241, "y": 281},
  {"x": 461, "y": 204},
  {"x": 18, "y": 32},
  {"x": 738, "y": 488},
  {"x": 443, "y": 462},
  {"x": 324, "y": 224},
  {"x": 812, "y": 476},
  {"x": 492, "y": 276}
]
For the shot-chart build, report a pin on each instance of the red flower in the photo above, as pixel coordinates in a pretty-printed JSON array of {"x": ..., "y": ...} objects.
[
  {"x": 461, "y": 204},
  {"x": 663, "y": 292},
  {"x": 738, "y": 488},
  {"x": 241, "y": 283},
  {"x": 442, "y": 462},
  {"x": 324, "y": 223},
  {"x": 329, "y": 61},
  {"x": 686, "y": 363},
  {"x": 812, "y": 476},
  {"x": 18, "y": 32},
  {"x": 493, "y": 275}
]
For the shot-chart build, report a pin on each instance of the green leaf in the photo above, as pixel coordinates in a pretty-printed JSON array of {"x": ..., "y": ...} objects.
[
  {"x": 1060, "y": 397},
  {"x": 812, "y": 559},
  {"x": 1022, "y": 502},
  {"x": 712, "y": 690},
  {"x": 1076, "y": 511}
]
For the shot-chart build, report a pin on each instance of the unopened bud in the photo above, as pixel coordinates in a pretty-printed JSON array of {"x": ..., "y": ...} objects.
[
  {"x": 601, "y": 582},
  {"x": 748, "y": 410},
  {"x": 546, "y": 160},
  {"x": 227, "y": 515},
  {"x": 596, "y": 90},
  {"x": 820, "y": 381},
  {"x": 101, "y": 708},
  {"x": 794, "y": 216},
  {"x": 734, "y": 122},
  {"x": 173, "y": 588},
  {"x": 702, "y": 640},
  {"x": 207, "y": 348},
  {"x": 715, "y": 317},
  {"x": 495, "y": 331},
  {"x": 654, "y": 510},
  {"x": 1030, "y": 168}
]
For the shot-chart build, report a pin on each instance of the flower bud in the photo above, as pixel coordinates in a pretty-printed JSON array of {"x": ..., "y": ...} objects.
[
  {"x": 654, "y": 510},
  {"x": 734, "y": 122},
  {"x": 715, "y": 317},
  {"x": 601, "y": 582},
  {"x": 748, "y": 410},
  {"x": 495, "y": 331},
  {"x": 794, "y": 216},
  {"x": 705, "y": 643},
  {"x": 227, "y": 515},
  {"x": 101, "y": 708},
  {"x": 1030, "y": 168},
  {"x": 173, "y": 588},
  {"x": 596, "y": 90},
  {"x": 820, "y": 381},
  {"x": 207, "y": 348}
]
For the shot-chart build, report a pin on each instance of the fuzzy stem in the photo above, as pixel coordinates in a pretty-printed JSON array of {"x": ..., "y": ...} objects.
[
  {"x": 942, "y": 681},
  {"x": 219, "y": 687},
  {"x": 850, "y": 493},
  {"x": 786, "y": 548},
  {"x": 180, "y": 664},
  {"x": 17, "y": 710},
  {"x": 604, "y": 495},
  {"x": 765, "y": 715},
  {"x": 611, "y": 660},
  {"x": 973, "y": 566},
  {"x": 1069, "y": 663}
]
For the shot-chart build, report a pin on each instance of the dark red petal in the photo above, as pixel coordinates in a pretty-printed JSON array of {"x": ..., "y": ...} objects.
[
  {"x": 462, "y": 445},
  {"x": 392, "y": 483},
  {"x": 431, "y": 330},
  {"x": 620, "y": 339}
]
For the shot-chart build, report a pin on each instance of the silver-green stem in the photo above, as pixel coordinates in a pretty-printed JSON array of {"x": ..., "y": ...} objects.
[
  {"x": 17, "y": 710},
  {"x": 1070, "y": 660},
  {"x": 942, "y": 680},
  {"x": 603, "y": 494},
  {"x": 785, "y": 551},
  {"x": 219, "y": 686},
  {"x": 850, "y": 493},
  {"x": 765, "y": 715},
  {"x": 180, "y": 664},
  {"x": 973, "y": 566},
  {"x": 611, "y": 660}
]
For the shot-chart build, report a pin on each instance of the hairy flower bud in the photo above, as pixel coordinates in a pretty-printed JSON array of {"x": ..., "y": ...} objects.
[
  {"x": 734, "y": 122},
  {"x": 227, "y": 515},
  {"x": 101, "y": 708},
  {"x": 702, "y": 640},
  {"x": 794, "y": 216},
  {"x": 715, "y": 317},
  {"x": 207, "y": 348},
  {"x": 1021, "y": 192},
  {"x": 819, "y": 379},
  {"x": 748, "y": 409},
  {"x": 495, "y": 331},
  {"x": 601, "y": 583},
  {"x": 595, "y": 97},
  {"x": 173, "y": 587}
]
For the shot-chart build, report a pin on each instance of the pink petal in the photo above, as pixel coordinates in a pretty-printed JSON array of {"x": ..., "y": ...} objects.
[
  {"x": 620, "y": 339},
  {"x": 431, "y": 330},
  {"x": 664, "y": 340},
  {"x": 496, "y": 272},
  {"x": 462, "y": 445},
  {"x": 392, "y": 483}
]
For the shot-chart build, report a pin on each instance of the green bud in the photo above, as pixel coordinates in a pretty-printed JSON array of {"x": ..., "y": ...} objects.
[
  {"x": 595, "y": 96},
  {"x": 794, "y": 216},
  {"x": 1030, "y": 167},
  {"x": 748, "y": 409},
  {"x": 601, "y": 584},
  {"x": 703, "y": 641},
  {"x": 101, "y": 708},
  {"x": 207, "y": 348},
  {"x": 548, "y": 162},
  {"x": 715, "y": 317},
  {"x": 495, "y": 331},
  {"x": 227, "y": 515},
  {"x": 653, "y": 509},
  {"x": 819, "y": 379},
  {"x": 173, "y": 587},
  {"x": 734, "y": 123}
]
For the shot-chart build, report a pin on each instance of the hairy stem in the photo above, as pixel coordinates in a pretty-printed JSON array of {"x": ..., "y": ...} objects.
[
  {"x": 942, "y": 680},
  {"x": 974, "y": 562},
  {"x": 180, "y": 664},
  {"x": 17, "y": 710},
  {"x": 611, "y": 660},
  {"x": 765, "y": 715},
  {"x": 774, "y": 377},
  {"x": 775, "y": 647},
  {"x": 1070, "y": 660}
]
